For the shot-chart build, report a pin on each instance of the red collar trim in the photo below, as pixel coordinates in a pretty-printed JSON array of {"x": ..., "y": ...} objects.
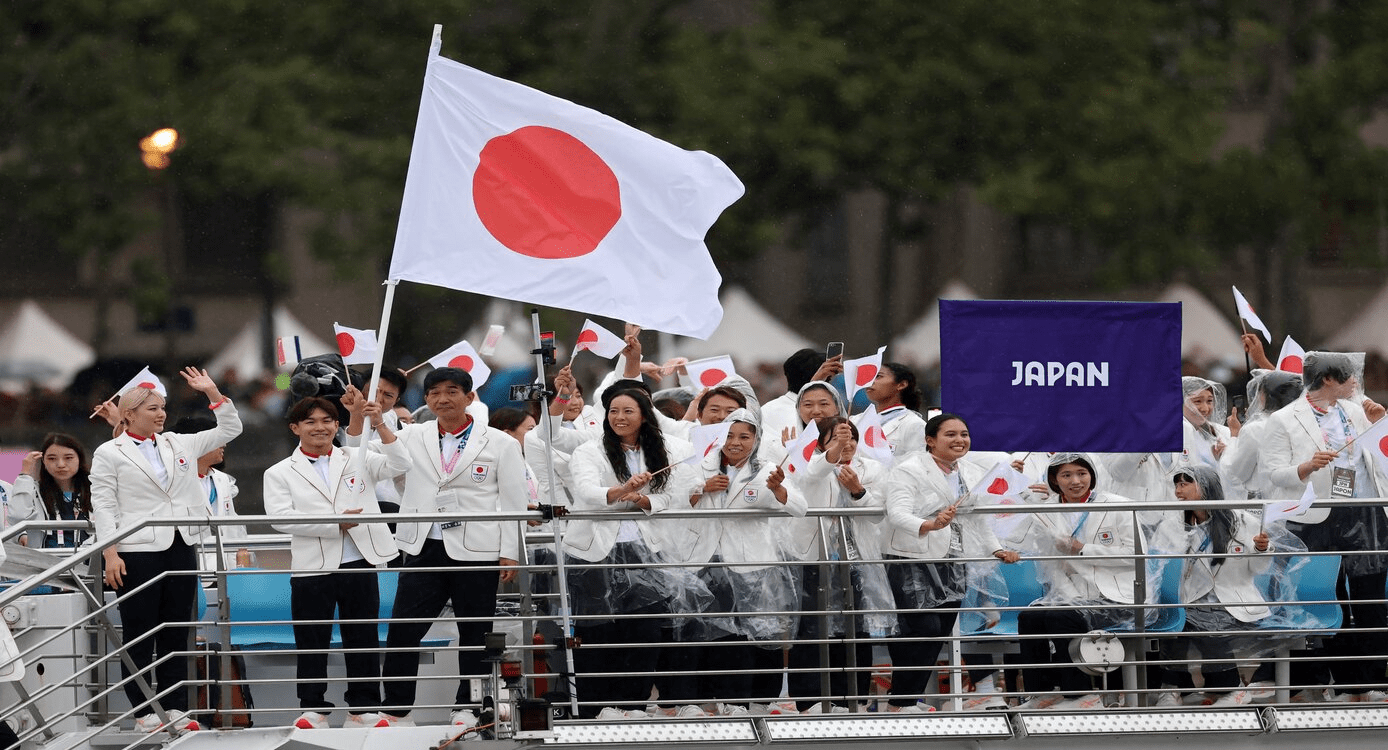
[
  {"x": 458, "y": 431},
  {"x": 313, "y": 455},
  {"x": 139, "y": 438},
  {"x": 1315, "y": 408}
]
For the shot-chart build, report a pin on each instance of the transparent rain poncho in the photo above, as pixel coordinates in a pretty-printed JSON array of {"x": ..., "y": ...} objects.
[
  {"x": 1268, "y": 391},
  {"x": 757, "y": 595},
  {"x": 1098, "y": 580},
  {"x": 1243, "y": 472},
  {"x": 1205, "y": 407},
  {"x": 1239, "y": 588}
]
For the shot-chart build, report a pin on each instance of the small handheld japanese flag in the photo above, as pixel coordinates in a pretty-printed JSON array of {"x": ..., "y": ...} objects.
[
  {"x": 872, "y": 440},
  {"x": 357, "y": 346},
  {"x": 707, "y": 438},
  {"x": 859, "y": 373},
  {"x": 599, "y": 340},
  {"x": 1002, "y": 485},
  {"x": 1292, "y": 356},
  {"x": 1282, "y": 509},
  {"x": 801, "y": 449},
  {"x": 462, "y": 356},
  {"x": 1375, "y": 440},
  {"x": 145, "y": 379},
  {"x": 706, "y": 373},
  {"x": 1246, "y": 312}
]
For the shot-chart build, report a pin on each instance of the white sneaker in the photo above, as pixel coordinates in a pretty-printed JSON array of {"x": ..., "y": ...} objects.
[
  {"x": 1042, "y": 702},
  {"x": 1316, "y": 695},
  {"x": 392, "y": 720},
  {"x": 367, "y": 720},
  {"x": 772, "y": 709},
  {"x": 690, "y": 711},
  {"x": 1168, "y": 700},
  {"x": 311, "y": 720},
  {"x": 1233, "y": 698},
  {"x": 636, "y": 713},
  {"x": 148, "y": 723},
  {"x": 818, "y": 708},
  {"x": 732, "y": 709},
  {"x": 1261, "y": 692},
  {"x": 1091, "y": 702},
  {"x": 463, "y": 718},
  {"x": 179, "y": 722},
  {"x": 1372, "y": 696},
  {"x": 985, "y": 702},
  {"x": 912, "y": 709},
  {"x": 612, "y": 714}
]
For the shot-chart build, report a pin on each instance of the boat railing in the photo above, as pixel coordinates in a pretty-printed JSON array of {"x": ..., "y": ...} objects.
[{"x": 66, "y": 627}]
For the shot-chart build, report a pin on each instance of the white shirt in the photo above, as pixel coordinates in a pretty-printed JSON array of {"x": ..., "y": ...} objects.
[
  {"x": 150, "y": 451},
  {"x": 350, "y": 552}
]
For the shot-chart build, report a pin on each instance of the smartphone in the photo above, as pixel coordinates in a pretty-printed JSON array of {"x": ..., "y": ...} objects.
[
  {"x": 1240, "y": 403},
  {"x": 835, "y": 349}
]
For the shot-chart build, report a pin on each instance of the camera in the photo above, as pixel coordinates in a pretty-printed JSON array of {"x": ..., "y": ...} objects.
[{"x": 529, "y": 392}]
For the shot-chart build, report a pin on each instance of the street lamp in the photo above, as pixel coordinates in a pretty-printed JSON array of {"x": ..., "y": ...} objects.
[{"x": 156, "y": 147}]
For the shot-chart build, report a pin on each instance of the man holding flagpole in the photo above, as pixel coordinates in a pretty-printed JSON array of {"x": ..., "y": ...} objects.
[{"x": 1324, "y": 438}]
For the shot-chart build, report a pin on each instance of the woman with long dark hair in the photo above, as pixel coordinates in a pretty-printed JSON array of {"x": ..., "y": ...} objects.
[
  {"x": 55, "y": 485},
  {"x": 632, "y": 468}
]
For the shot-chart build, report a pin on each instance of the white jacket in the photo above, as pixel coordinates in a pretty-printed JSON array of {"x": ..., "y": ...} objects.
[
  {"x": 734, "y": 540},
  {"x": 1104, "y": 569},
  {"x": 293, "y": 487},
  {"x": 488, "y": 477},
  {"x": 125, "y": 489},
  {"x": 593, "y": 476},
  {"x": 800, "y": 537},
  {"x": 1293, "y": 436},
  {"x": 917, "y": 489},
  {"x": 1234, "y": 581}
]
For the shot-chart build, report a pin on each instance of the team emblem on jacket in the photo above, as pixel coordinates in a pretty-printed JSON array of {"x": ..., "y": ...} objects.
[
  {"x": 351, "y": 481},
  {"x": 749, "y": 495},
  {"x": 479, "y": 473},
  {"x": 1105, "y": 537},
  {"x": 1236, "y": 549},
  {"x": 182, "y": 462}
]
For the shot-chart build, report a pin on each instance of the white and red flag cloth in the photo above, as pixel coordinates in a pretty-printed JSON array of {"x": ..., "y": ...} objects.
[
  {"x": 598, "y": 340},
  {"x": 1283, "y": 509},
  {"x": 801, "y": 449},
  {"x": 462, "y": 356},
  {"x": 1375, "y": 440},
  {"x": 357, "y": 346},
  {"x": 872, "y": 439},
  {"x": 709, "y": 372},
  {"x": 707, "y": 438},
  {"x": 145, "y": 379},
  {"x": 1292, "y": 358},
  {"x": 517, "y": 194},
  {"x": 1246, "y": 312},
  {"x": 1002, "y": 485},
  {"x": 859, "y": 373}
]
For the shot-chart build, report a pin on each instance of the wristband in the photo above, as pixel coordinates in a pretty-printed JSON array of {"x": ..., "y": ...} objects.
[
  {"x": 859, "y": 495},
  {"x": 563, "y": 399},
  {"x": 219, "y": 403}
]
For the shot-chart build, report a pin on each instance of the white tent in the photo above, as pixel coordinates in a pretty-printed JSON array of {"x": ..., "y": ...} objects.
[
  {"x": 919, "y": 345},
  {"x": 1206, "y": 333},
  {"x": 36, "y": 348},
  {"x": 1368, "y": 332},
  {"x": 748, "y": 333},
  {"x": 244, "y": 353}
]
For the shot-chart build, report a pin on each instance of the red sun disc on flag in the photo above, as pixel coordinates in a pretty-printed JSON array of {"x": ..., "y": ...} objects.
[
  {"x": 866, "y": 374},
  {"x": 462, "y": 362},
  {"x": 345, "y": 344},
  {"x": 149, "y": 385},
  {"x": 711, "y": 377},
  {"x": 874, "y": 436},
  {"x": 998, "y": 486},
  {"x": 1290, "y": 364},
  {"x": 710, "y": 448},
  {"x": 808, "y": 453},
  {"x": 586, "y": 338},
  {"x": 543, "y": 193},
  {"x": 1383, "y": 446}
]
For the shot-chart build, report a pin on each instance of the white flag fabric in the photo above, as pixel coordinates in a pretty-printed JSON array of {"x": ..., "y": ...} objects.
[
  {"x": 357, "y": 346},
  {"x": 493, "y": 337},
  {"x": 1246, "y": 312},
  {"x": 1375, "y": 439},
  {"x": 801, "y": 449},
  {"x": 145, "y": 379},
  {"x": 462, "y": 356},
  {"x": 598, "y": 340},
  {"x": 517, "y": 194},
  {"x": 707, "y": 438},
  {"x": 288, "y": 351},
  {"x": 1292, "y": 357},
  {"x": 1281, "y": 509},
  {"x": 706, "y": 373},
  {"x": 859, "y": 373},
  {"x": 1002, "y": 485},
  {"x": 872, "y": 439}
]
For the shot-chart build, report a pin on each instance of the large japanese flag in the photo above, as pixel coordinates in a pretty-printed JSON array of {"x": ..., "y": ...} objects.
[
  {"x": 859, "y": 373},
  {"x": 462, "y": 356},
  {"x": 517, "y": 194},
  {"x": 357, "y": 346},
  {"x": 145, "y": 379}
]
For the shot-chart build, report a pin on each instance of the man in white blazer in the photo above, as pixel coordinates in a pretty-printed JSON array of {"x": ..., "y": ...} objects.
[
  {"x": 143, "y": 474},
  {"x": 458, "y": 466},
  {"x": 319, "y": 479},
  {"x": 1300, "y": 446}
]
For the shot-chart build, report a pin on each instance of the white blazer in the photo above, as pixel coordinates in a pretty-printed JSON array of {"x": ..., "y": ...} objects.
[
  {"x": 1100, "y": 571},
  {"x": 489, "y": 477},
  {"x": 820, "y": 485},
  {"x": 1234, "y": 580},
  {"x": 593, "y": 476},
  {"x": 293, "y": 487},
  {"x": 917, "y": 489},
  {"x": 734, "y": 540},
  {"x": 566, "y": 441},
  {"x": 1240, "y": 462},
  {"x": 225, "y": 484},
  {"x": 125, "y": 489},
  {"x": 1293, "y": 437}
]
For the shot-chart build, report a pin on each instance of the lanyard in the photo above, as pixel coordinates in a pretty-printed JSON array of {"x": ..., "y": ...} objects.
[
  {"x": 1076, "y": 533},
  {"x": 452, "y": 461},
  {"x": 212, "y": 495}
]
